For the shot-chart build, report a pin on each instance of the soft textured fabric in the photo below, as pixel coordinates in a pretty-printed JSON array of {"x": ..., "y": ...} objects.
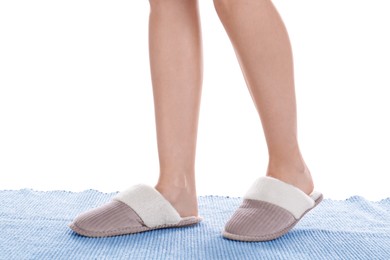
[
  {"x": 33, "y": 225},
  {"x": 282, "y": 194},
  {"x": 111, "y": 217},
  {"x": 258, "y": 218},
  {"x": 149, "y": 204}
]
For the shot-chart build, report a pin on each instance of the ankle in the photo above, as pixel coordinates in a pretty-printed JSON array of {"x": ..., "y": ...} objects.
[
  {"x": 183, "y": 181},
  {"x": 183, "y": 199},
  {"x": 291, "y": 159},
  {"x": 295, "y": 174},
  {"x": 297, "y": 166},
  {"x": 175, "y": 190}
]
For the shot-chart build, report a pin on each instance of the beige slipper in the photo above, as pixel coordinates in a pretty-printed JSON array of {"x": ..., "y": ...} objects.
[
  {"x": 139, "y": 208},
  {"x": 269, "y": 209}
]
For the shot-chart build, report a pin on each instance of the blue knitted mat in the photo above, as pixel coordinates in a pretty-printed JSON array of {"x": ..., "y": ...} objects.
[{"x": 34, "y": 226}]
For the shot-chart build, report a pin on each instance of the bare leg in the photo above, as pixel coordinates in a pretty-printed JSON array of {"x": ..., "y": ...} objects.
[
  {"x": 263, "y": 49},
  {"x": 176, "y": 64}
]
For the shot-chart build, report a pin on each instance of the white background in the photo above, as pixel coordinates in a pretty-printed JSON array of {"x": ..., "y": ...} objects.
[{"x": 76, "y": 101}]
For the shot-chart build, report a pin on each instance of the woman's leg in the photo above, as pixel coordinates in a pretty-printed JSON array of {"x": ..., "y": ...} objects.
[
  {"x": 262, "y": 46},
  {"x": 176, "y": 64}
]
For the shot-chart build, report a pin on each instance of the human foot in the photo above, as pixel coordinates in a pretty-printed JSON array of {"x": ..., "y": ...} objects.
[
  {"x": 183, "y": 199},
  {"x": 298, "y": 176}
]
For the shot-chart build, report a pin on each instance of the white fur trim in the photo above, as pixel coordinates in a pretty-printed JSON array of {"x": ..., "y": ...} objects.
[
  {"x": 281, "y": 194},
  {"x": 149, "y": 204},
  {"x": 315, "y": 195}
]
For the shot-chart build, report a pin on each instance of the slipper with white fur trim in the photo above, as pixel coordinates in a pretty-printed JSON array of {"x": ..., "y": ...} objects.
[
  {"x": 270, "y": 208},
  {"x": 137, "y": 209}
]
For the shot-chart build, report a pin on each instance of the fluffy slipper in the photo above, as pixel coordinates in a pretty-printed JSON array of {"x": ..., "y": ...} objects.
[
  {"x": 270, "y": 208},
  {"x": 139, "y": 208}
]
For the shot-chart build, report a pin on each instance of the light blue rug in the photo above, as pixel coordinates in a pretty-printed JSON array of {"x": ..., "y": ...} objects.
[{"x": 33, "y": 225}]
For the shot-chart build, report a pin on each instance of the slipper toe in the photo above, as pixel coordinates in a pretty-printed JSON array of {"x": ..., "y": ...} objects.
[
  {"x": 109, "y": 218},
  {"x": 258, "y": 220}
]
